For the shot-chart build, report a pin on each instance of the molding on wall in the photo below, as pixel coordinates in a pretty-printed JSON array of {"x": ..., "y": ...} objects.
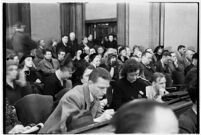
[
  {"x": 122, "y": 24},
  {"x": 101, "y": 20}
]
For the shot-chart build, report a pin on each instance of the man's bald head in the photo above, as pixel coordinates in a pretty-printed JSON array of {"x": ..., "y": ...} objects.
[{"x": 145, "y": 116}]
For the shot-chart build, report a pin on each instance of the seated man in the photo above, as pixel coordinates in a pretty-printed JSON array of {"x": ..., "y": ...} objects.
[
  {"x": 82, "y": 98},
  {"x": 188, "y": 121},
  {"x": 145, "y": 116},
  {"x": 48, "y": 65},
  {"x": 129, "y": 87},
  {"x": 57, "y": 81},
  {"x": 163, "y": 67},
  {"x": 157, "y": 89},
  {"x": 193, "y": 64},
  {"x": 61, "y": 55},
  {"x": 146, "y": 64}
]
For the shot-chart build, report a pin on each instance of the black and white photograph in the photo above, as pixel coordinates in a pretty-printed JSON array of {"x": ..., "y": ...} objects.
[{"x": 100, "y": 67}]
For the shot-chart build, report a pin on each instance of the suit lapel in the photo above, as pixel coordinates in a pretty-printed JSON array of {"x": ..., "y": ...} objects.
[
  {"x": 48, "y": 64},
  {"x": 92, "y": 108}
]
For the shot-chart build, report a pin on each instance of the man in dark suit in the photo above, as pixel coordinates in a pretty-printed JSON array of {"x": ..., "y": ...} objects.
[
  {"x": 48, "y": 65},
  {"x": 90, "y": 41},
  {"x": 111, "y": 43},
  {"x": 63, "y": 45},
  {"x": 162, "y": 66},
  {"x": 73, "y": 43},
  {"x": 149, "y": 69},
  {"x": 193, "y": 64},
  {"x": 84, "y": 44},
  {"x": 57, "y": 81},
  {"x": 38, "y": 53}
]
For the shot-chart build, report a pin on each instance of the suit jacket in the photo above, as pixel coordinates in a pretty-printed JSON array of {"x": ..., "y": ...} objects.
[
  {"x": 148, "y": 72},
  {"x": 124, "y": 91},
  {"x": 61, "y": 46},
  {"x": 74, "y": 47},
  {"x": 181, "y": 60},
  {"x": 74, "y": 102},
  {"x": 166, "y": 71},
  {"x": 160, "y": 68},
  {"x": 46, "y": 67}
]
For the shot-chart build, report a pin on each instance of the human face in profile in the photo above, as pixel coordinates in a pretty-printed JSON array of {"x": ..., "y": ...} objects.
[{"x": 98, "y": 89}]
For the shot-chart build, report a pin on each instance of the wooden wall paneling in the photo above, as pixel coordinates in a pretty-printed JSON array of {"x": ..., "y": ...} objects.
[
  {"x": 154, "y": 32},
  {"x": 121, "y": 24},
  {"x": 157, "y": 24},
  {"x": 24, "y": 16}
]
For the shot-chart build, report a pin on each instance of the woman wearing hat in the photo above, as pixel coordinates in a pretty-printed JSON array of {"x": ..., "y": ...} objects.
[
  {"x": 95, "y": 60},
  {"x": 122, "y": 54},
  {"x": 27, "y": 68}
]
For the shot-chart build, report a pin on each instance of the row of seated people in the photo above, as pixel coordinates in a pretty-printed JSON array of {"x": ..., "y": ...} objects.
[
  {"x": 152, "y": 95},
  {"x": 56, "y": 77}
]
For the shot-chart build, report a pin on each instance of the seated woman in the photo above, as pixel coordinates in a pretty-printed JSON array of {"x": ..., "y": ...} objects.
[
  {"x": 33, "y": 78},
  {"x": 157, "y": 89},
  {"x": 122, "y": 54},
  {"x": 130, "y": 86},
  {"x": 95, "y": 60}
]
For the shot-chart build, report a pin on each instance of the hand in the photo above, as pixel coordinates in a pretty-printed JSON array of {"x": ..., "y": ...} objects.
[
  {"x": 103, "y": 103},
  {"x": 18, "y": 129},
  {"x": 107, "y": 115}
]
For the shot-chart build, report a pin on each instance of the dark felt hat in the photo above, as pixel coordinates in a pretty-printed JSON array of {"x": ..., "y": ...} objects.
[{"x": 24, "y": 57}]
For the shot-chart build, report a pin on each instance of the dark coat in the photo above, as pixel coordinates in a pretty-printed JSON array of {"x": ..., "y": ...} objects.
[
  {"x": 74, "y": 47},
  {"x": 188, "y": 122},
  {"x": 148, "y": 71},
  {"x": 52, "y": 85},
  {"x": 60, "y": 46},
  {"x": 160, "y": 68},
  {"x": 166, "y": 71},
  {"x": 124, "y": 91},
  {"x": 46, "y": 67},
  {"x": 16, "y": 93},
  {"x": 112, "y": 44}
]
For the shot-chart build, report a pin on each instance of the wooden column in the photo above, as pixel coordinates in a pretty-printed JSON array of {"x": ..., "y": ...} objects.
[
  {"x": 72, "y": 19},
  {"x": 157, "y": 20},
  {"x": 122, "y": 24},
  {"x": 25, "y": 17}
]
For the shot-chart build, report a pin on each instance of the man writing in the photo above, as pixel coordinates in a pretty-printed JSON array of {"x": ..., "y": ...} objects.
[{"x": 80, "y": 99}]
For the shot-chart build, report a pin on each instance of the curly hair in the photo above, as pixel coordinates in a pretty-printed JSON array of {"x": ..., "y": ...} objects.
[{"x": 130, "y": 66}]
